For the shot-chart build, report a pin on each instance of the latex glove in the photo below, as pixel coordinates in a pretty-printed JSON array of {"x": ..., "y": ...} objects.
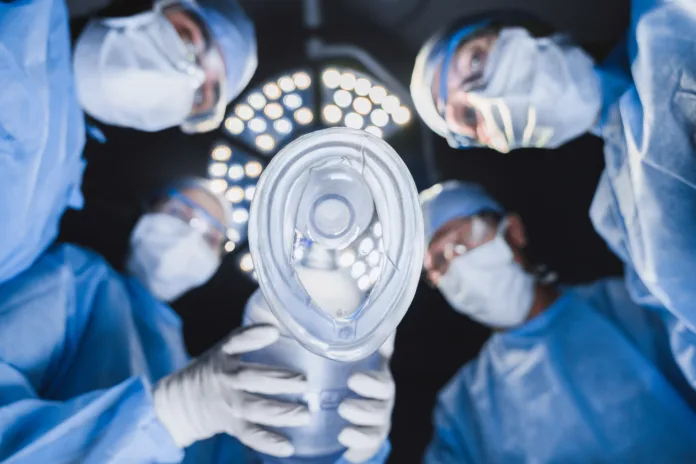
[
  {"x": 216, "y": 394},
  {"x": 369, "y": 415}
]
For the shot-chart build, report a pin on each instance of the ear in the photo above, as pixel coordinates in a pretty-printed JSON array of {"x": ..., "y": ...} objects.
[{"x": 515, "y": 234}]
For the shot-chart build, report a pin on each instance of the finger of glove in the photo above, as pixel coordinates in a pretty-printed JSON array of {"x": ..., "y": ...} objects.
[
  {"x": 359, "y": 455},
  {"x": 267, "y": 380},
  {"x": 362, "y": 437},
  {"x": 251, "y": 338},
  {"x": 377, "y": 385},
  {"x": 266, "y": 411},
  {"x": 359, "y": 411},
  {"x": 264, "y": 441}
]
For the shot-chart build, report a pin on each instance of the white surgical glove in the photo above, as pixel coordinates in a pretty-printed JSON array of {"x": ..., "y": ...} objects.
[
  {"x": 370, "y": 415},
  {"x": 215, "y": 394}
]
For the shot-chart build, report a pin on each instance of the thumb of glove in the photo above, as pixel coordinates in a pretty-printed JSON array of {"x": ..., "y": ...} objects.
[{"x": 250, "y": 338}]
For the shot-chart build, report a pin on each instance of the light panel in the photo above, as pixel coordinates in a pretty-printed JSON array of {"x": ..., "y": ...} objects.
[{"x": 354, "y": 99}]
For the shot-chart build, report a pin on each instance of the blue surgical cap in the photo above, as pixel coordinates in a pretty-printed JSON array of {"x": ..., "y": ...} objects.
[
  {"x": 453, "y": 199},
  {"x": 234, "y": 33}
]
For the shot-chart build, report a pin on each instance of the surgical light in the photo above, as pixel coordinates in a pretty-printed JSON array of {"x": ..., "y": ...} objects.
[
  {"x": 303, "y": 116},
  {"x": 218, "y": 185},
  {"x": 302, "y": 80},
  {"x": 217, "y": 169},
  {"x": 292, "y": 101},
  {"x": 257, "y": 125},
  {"x": 235, "y": 172},
  {"x": 257, "y": 100},
  {"x": 249, "y": 192},
  {"x": 240, "y": 215},
  {"x": 346, "y": 258},
  {"x": 354, "y": 121},
  {"x": 331, "y": 78},
  {"x": 363, "y": 86},
  {"x": 379, "y": 118},
  {"x": 377, "y": 94},
  {"x": 347, "y": 81},
  {"x": 245, "y": 263},
  {"x": 366, "y": 246},
  {"x": 221, "y": 153},
  {"x": 233, "y": 235},
  {"x": 391, "y": 104},
  {"x": 343, "y": 98},
  {"x": 253, "y": 169},
  {"x": 273, "y": 110},
  {"x": 364, "y": 283},
  {"x": 377, "y": 230},
  {"x": 401, "y": 115},
  {"x": 265, "y": 142},
  {"x": 286, "y": 84},
  {"x": 234, "y": 125},
  {"x": 362, "y": 105},
  {"x": 357, "y": 269},
  {"x": 332, "y": 114},
  {"x": 373, "y": 258},
  {"x": 229, "y": 247},
  {"x": 283, "y": 126},
  {"x": 272, "y": 91},
  {"x": 244, "y": 112},
  {"x": 235, "y": 194}
]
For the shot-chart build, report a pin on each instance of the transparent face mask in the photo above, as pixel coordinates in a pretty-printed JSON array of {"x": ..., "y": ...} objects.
[{"x": 336, "y": 236}]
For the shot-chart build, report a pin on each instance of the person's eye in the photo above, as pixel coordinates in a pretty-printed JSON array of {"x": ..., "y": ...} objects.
[{"x": 478, "y": 60}]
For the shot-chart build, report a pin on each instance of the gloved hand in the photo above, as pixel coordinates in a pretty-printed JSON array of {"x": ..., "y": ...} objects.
[
  {"x": 215, "y": 394},
  {"x": 370, "y": 415}
]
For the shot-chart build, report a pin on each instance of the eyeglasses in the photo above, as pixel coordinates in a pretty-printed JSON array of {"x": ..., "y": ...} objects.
[
  {"x": 213, "y": 231},
  {"x": 200, "y": 58},
  {"x": 450, "y": 245},
  {"x": 472, "y": 80}
]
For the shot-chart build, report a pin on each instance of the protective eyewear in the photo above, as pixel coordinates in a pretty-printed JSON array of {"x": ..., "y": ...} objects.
[
  {"x": 200, "y": 58},
  {"x": 182, "y": 207},
  {"x": 443, "y": 250},
  {"x": 475, "y": 80}
]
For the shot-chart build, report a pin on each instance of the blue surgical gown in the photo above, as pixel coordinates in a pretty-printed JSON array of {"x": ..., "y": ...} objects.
[
  {"x": 579, "y": 383},
  {"x": 645, "y": 202},
  {"x": 41, "y": 130},
  {"x": 80, "y": 347}
]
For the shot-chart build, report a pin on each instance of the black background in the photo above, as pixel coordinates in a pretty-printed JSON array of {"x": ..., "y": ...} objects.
[{"x": 552, "y": 191}]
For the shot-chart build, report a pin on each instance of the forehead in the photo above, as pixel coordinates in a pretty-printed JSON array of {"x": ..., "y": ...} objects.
[{"x": 450, "y": 229}]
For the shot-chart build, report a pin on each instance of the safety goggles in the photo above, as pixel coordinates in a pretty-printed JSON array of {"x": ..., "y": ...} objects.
[
  {"x": 199, "y": 57},
  {"x": 471, "y": 82},
  {"x": 182, "y": 207},
  {"x": 444, "y": 249}
]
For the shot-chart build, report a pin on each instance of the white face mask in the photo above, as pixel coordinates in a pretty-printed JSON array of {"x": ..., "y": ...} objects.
[
  {"x": 126, "y": 73},
  {"x": 169, "y": 257},
  {"x": 540, "y": 92},
  {"x": 489, "y": 286}
]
